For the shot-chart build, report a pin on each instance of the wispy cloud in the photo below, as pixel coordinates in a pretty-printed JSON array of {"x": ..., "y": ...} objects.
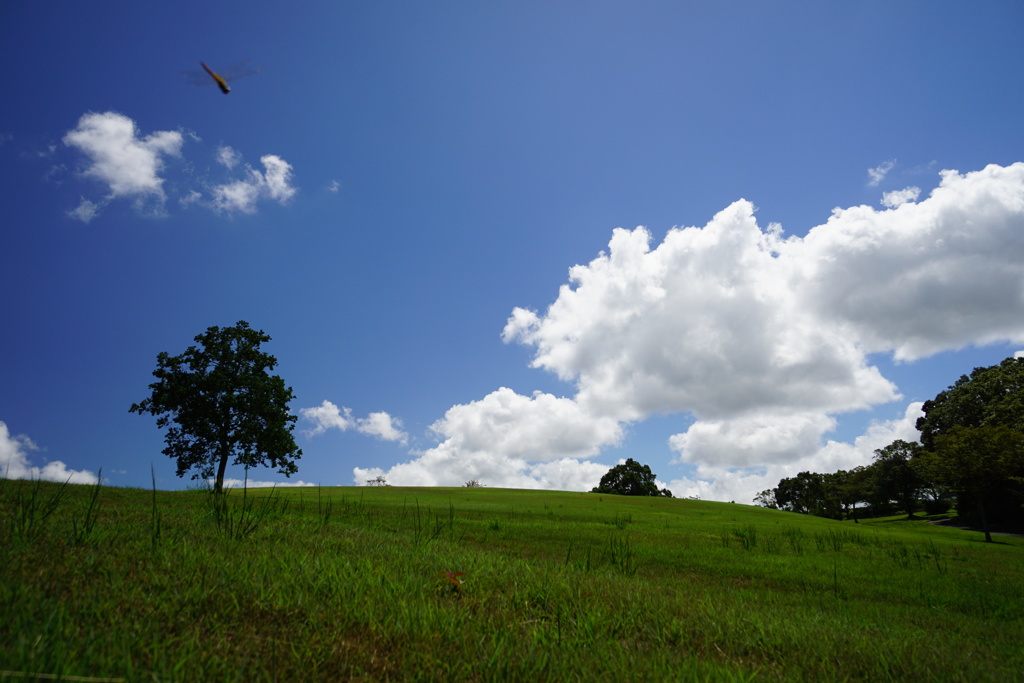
[
  {"x": 877, "y": 174},
  {"x": 85, "y": 211},
  {"x": 228, "y": 157},
  {"x": 242, "y": 195}
]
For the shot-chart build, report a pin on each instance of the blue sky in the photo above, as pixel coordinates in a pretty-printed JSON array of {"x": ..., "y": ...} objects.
[{"x": 433, "y": 210}]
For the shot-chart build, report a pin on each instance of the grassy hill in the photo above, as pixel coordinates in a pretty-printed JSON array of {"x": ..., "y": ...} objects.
[{"x": 488, "y": 584}]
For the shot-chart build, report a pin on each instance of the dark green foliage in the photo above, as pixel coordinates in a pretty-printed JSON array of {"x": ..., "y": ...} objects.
[
  {"x": 808, "y": 493},
  {"x": 988, "y": 397},
  {"x": 630, "y": 479},
  {"x": 218, "y": 402},
  {"x": 985, "y": 466},
  {"x": 852, "y": 487},
  {"x": 977, "y": 465},
  {"x": 971, "y": 434},
  {"x": 895, "y": 477}
]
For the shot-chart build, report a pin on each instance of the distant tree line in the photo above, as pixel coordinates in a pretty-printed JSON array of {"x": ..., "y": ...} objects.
[{"x": 971, "y": 455}]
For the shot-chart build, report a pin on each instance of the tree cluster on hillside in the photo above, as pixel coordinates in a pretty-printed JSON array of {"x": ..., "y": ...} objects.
[
  {"x": 630, "y": 479},
  {"x": 971, "y": 450}
]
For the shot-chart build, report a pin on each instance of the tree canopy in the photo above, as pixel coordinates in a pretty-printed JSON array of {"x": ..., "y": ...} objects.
[
  {"x": 630, "y": 479},
  {"x": 969, "y": 455},
  {"x": 987, "y": 397},
  {"x": 806, "y": 493},
  {"x": 219, "y": 401},
  {"x": 895, "y": 477}
]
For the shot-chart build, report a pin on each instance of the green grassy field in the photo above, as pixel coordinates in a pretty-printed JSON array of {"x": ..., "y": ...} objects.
[{"x": 488, "y": 584}]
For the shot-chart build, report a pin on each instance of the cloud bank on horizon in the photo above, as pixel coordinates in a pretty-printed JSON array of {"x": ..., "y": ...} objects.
[
  {"x": 129, "y": 166},
  {"x": 15, "y": 463},
  {"x": 761, "y": 339}
]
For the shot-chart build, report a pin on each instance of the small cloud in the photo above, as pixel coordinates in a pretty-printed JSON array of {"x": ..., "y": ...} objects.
[
  {"x": 878, "y": 173},
  {"x": 383, "y": 426},
  {"x": 5, "y": 138},
  {"x": 277, "y": 178},
  {"x": 85, "y": 211},
  {"x": 898, "y": 198},
  {"x": 329, "y": 416},
  {"x": 228, "y": 157},
  {"x": 333, "y": 187},
  {"x": 242, "y": 195},
  {"x": 193, "y": 197},
  {"x": 126, "y": 163}
]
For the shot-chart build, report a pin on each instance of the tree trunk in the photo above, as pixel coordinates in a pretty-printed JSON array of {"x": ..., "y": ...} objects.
[
  {"x": 218, "y": 486},
  {"x": 984, "y": 520}
]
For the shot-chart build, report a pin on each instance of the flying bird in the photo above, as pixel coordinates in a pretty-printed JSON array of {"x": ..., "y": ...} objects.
[{"x": 221, "y": 83}]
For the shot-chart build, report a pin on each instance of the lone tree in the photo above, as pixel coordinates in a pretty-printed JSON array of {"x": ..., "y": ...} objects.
[
  {"x": 630, "y": 479},
  {"x": 218, "y": 400}
]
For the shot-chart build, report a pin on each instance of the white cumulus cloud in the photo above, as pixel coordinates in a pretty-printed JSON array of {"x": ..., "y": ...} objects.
[
  {"x": 758, "y": 341},
  {"x": 935, "y": 275},
  {"x": 15, "y": 463},
  {"x": 489, "y": 440},
  {"x": 708, "y": 322},
  {"x": 383, "y": 426},
  {"x": 327, "y": 416},
  {"x": 126, "y": 163},
  {"x": 560, "y": 427},
  {"x": 723, "y": 480}
]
